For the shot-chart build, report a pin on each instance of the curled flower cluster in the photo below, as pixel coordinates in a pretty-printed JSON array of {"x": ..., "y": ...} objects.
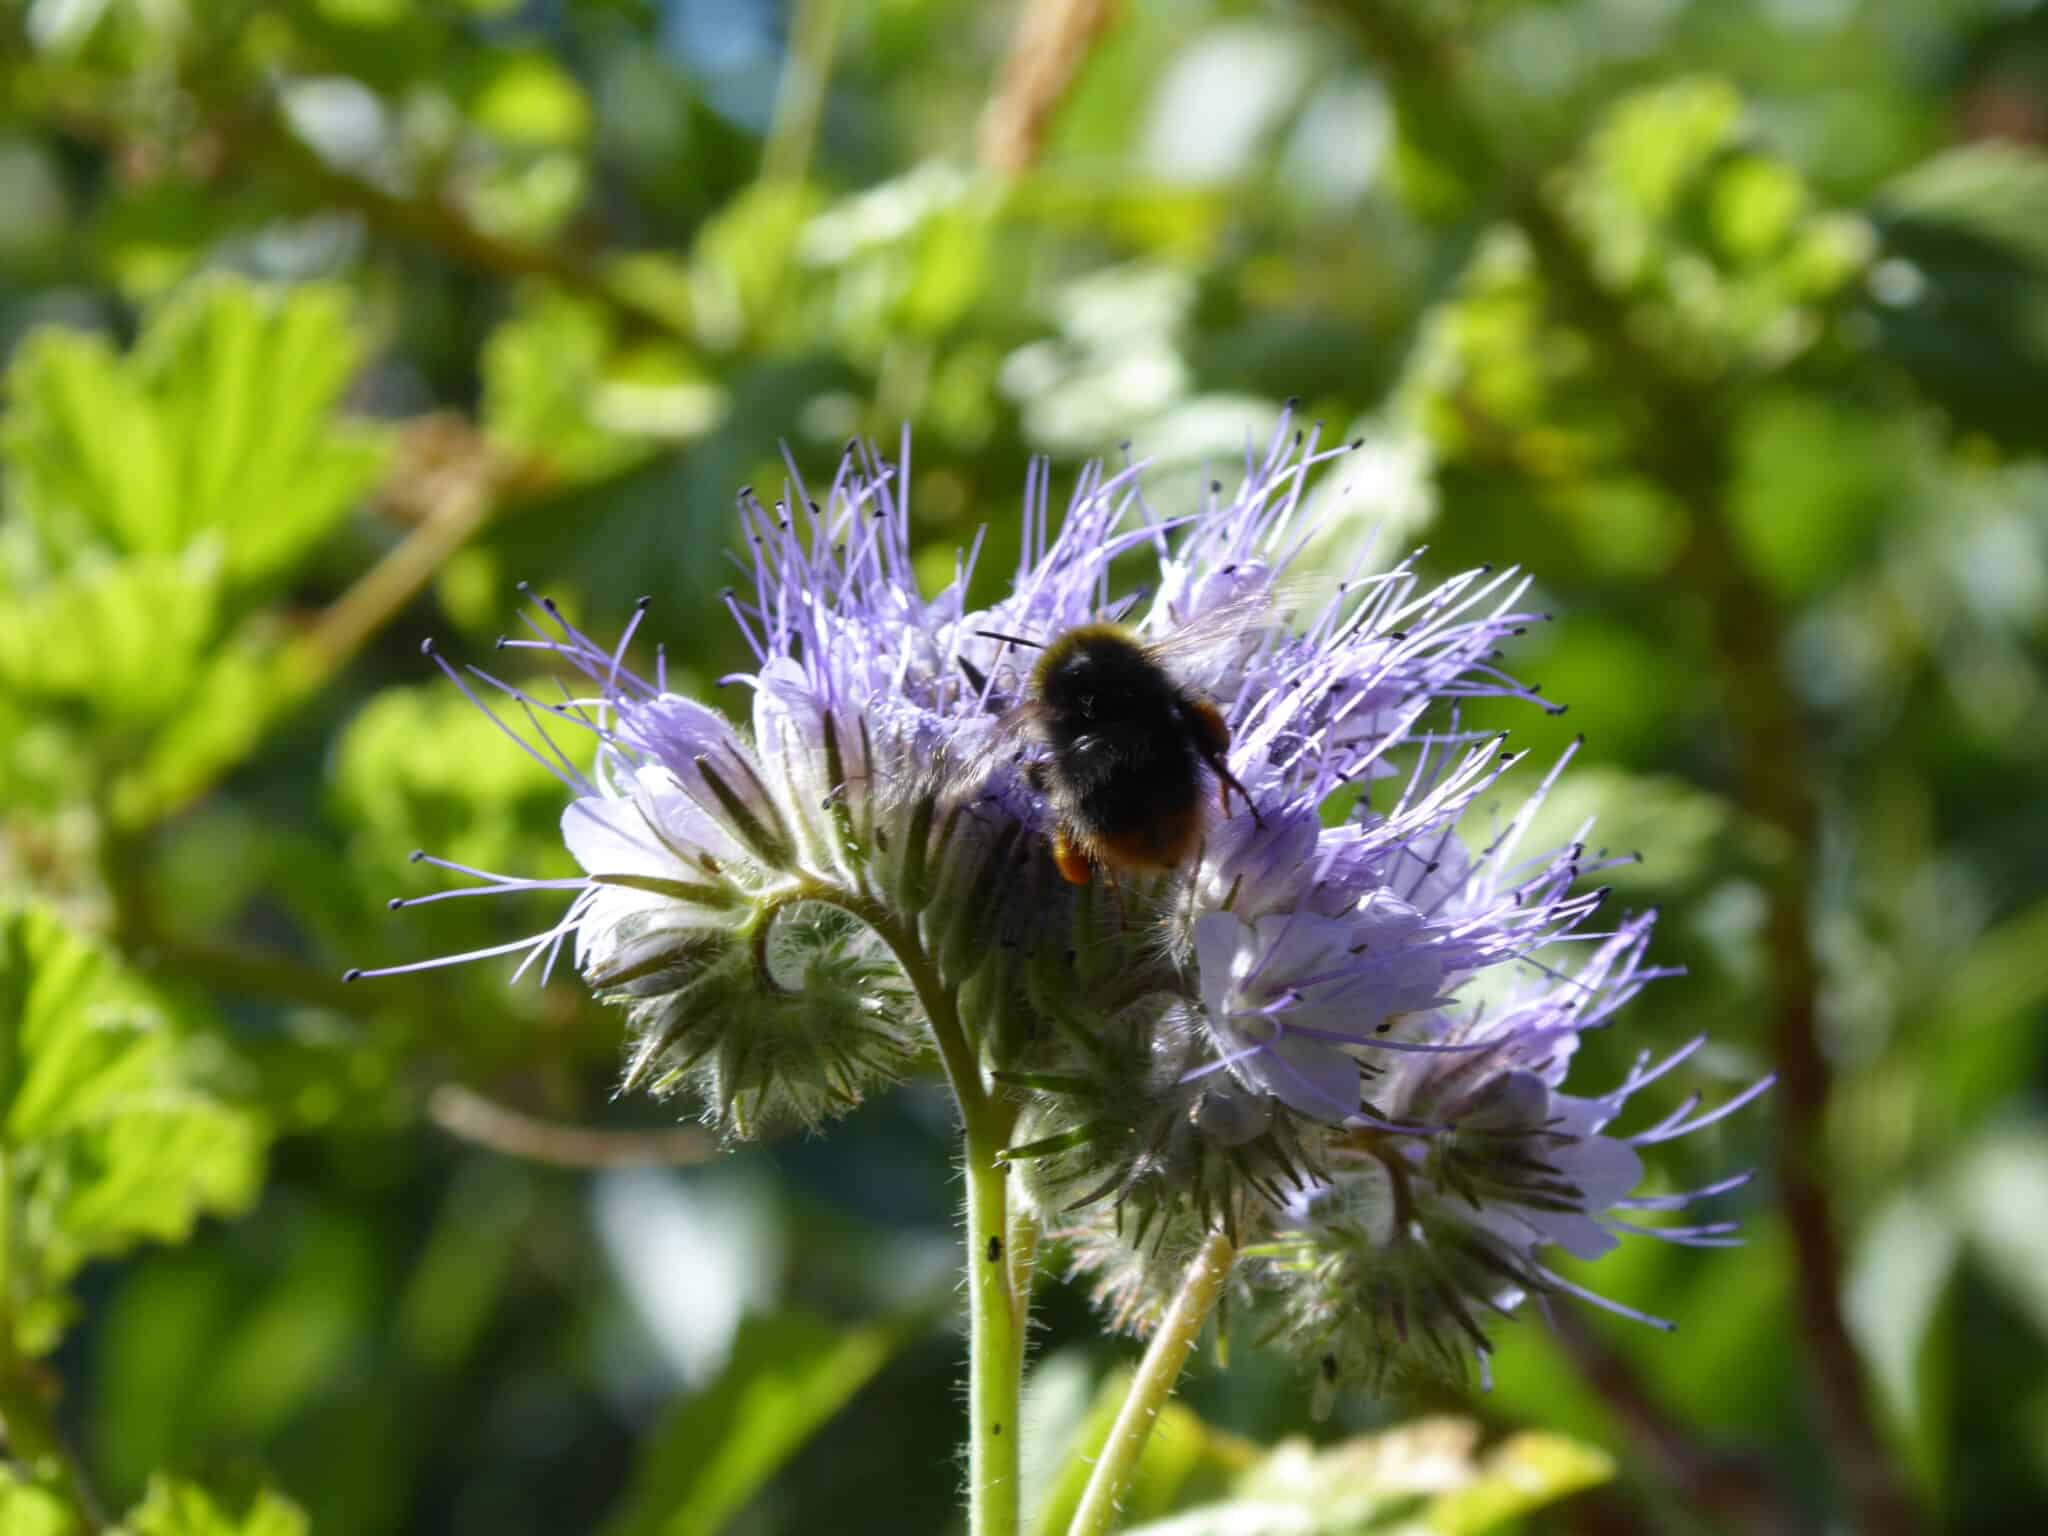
[{"x": 1337, "y": 1032}]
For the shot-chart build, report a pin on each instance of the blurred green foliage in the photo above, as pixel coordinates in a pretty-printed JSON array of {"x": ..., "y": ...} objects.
[{"x": 327, "y": 321}]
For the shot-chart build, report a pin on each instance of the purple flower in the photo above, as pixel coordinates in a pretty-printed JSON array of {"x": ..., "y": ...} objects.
[
  {"x": 1344, "y": 1042},
  {"x": 1392, "y": 1260}
]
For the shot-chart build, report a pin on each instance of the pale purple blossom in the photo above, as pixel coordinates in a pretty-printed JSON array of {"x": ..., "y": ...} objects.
[{"x": 1347, "y": 1042}]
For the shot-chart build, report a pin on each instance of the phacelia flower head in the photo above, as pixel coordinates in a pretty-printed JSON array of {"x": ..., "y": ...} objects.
[{"x": 1335, "y": 1028}]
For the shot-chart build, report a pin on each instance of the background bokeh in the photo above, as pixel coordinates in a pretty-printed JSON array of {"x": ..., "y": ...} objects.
[{"x": 327, "y": 321}]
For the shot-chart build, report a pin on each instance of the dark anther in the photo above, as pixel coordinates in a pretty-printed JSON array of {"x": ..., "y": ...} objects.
[
  {"x": 1292, "y": 403},
  {"x": 353, "y": 973},
  {"x": 427, "y": 646},
  {"x": 643, "y": 603},
  {"x": 416, "y": 855},
  {"x": 394, "y": 904}
]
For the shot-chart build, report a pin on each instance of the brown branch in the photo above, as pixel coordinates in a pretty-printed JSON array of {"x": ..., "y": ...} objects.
[
  {"x": 1730, "y": 1487},
  {"x": 451, "y": 498},
  {"x": 32, "y": 1439},
  {"x": 1682, "y": 443},
  {"x": 242, "y": 133},
  {"x": 469, "y": 1116},
  {"x": 1046, "y": 53},
  {"x": 1774, "y": 758},
  {"x": 1686, "y": 451}
]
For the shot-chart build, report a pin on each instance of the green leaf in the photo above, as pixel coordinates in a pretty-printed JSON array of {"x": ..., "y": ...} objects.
[
  {"x": 527, "y": 98},
  {"x": 1963, "y": 303},
  {"x": 1522, "y": 1474},
  {"x": 1901, "y": 1271},
  {"x": 787, "y": 1376},
  {"x": 564, "y": 397},
  {"x": 1982, "y": 1016},
  {"x": 222, "y": 720},
  {"x": 1812, "y": 479},
  {"x": 1995, "y": 189},
  {"x": 113, "y": 1135},
  {"x": 173, "y": 1508},
  {"x": 125, "y": 638},
  {"x": 1681, "y": 831},
  {"x": 27, "y": 1509},
  {"x": 2002, "y": 1192},
  {"x": 423, "y": 768},
  {"x": 1184, "y": 1459},
  {"x": 1427, "y": 1478},
  {"x": 219, "y": 428}
]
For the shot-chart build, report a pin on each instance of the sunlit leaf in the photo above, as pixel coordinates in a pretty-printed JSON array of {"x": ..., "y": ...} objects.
[
  {"x": 27, "y": 1509},
  {"x": 112, "y": 1132},
  {"x": 787, "y": 1376},
  {"x": 1428, "y": 1478},
  {"x": 571, "y": 405},
  {"x": 218, "y": 428},
  {"x": 528, "y": 98},
  {"x": 1522, "y": 1474},
  {"x": 125, "y": 639},
  {"x": 1184, "y": 1459},
  {"x": 173, "y": 1508},
  {"x": 424, "y": 768},
  {"x": 1897, "y": 1280},
  {"x": 2004, "y": 1188}
]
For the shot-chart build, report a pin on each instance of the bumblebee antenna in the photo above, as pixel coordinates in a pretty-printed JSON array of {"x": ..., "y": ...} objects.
[{"x": 990, "y": 634}]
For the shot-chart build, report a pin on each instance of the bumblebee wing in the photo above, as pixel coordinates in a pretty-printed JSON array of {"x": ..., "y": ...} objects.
[
  {"x": 993, "y": 742},
  {"x": 1229, "y": 631}
]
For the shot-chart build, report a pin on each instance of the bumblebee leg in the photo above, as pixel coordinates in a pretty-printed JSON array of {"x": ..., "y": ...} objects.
[
  {"x": 1212, "y": 740},
  {"x": 1068, "y": 858},
  {"x": 1226, "y": 781}
]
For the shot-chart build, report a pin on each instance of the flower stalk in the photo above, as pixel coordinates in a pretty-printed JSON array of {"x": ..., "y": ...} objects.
[
  {"x": 995, "y": 1350},
  {"x": 1165, "y": 1358},
  {"x": 998, "y": 1276}
]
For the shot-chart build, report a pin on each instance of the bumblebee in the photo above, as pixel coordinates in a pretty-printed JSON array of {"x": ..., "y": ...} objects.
[{"x": 1127, "y": 751}]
